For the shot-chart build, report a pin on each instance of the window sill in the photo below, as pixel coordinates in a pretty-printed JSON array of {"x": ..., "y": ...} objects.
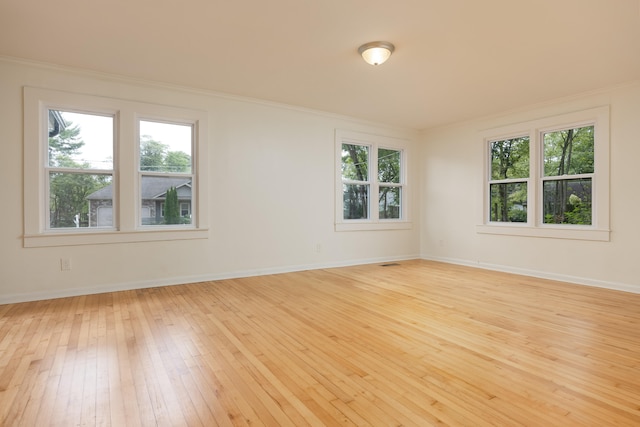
[
  {"x": 373, "y": 226},
  {"x": 553, "y": 232},
  {"x": 108, "y": 237}
]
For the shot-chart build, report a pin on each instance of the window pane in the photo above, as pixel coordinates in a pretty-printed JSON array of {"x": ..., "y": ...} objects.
[
  {"x": 356, "y": 201},
  {"x": 165, "y": 147},
  {"x": 74, "y": 199},
  {"x": 165, "y": 200},
  {"x": 568, "y": 152},
  {"x": 389, "y": 202},
  {"x": 81, "y": 141},
  {"x": 509, "y": 202},
  {"x": 510, "y": 158},
  {"x": 185, "y": 209},
  {"x": 355, "y": 162},
  {"x": 388, "y": 165},
  {"x": 567, "y": 201}
]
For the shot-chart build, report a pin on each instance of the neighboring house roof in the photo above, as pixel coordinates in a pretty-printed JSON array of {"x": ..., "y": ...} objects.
[
  {"x": 153, "y": 187},
  {"x": 56, "y": 123}
]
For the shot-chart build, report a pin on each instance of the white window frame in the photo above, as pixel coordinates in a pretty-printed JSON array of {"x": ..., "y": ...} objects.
[
  {"x": 373, "y": 222},
  {"x": 535, "y": 226},
  {"x": 126, "y": 201}
]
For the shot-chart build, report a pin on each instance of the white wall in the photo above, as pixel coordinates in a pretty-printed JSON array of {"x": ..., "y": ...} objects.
[
  {"x": 271, "y": 196},
  {"x": 452, "y": 175}
]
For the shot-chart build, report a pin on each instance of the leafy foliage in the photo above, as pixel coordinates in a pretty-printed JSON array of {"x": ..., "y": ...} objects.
[
  {"x": 355, "y": 162},
  {"x": 171, "y": 207},
  {"x": 62, "y": 146},
  {"x": 152, "y": 154},
  {"x": 388, "y": 165},
  {"x": 510, "y": 158},
  {"x": 156, "y": 157},
  {"x": 568, "y": 201},
  {"x": 509, "y": 202},
  {"x": 569, "y": 152},
  {"x": 177, "y": 161}
]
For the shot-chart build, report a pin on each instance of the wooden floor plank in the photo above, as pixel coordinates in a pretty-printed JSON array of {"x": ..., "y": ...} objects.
[{"x": 417, "y": 343}]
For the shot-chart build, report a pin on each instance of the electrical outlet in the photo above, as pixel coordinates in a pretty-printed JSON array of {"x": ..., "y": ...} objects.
[
  {"x": 317, "y": 248},
  {"x": 65, "y": 264}
]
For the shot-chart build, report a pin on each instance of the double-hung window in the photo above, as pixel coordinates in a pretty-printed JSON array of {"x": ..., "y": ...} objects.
[
  {"x": 549, "y": 177},
  {"x": 79, "y": 161},
  {"x": 103, "y": 170},
  {"x": 567, "y": 181},
  {"x": 371, "y": 189},
  {"x": 166, "y": 172},
  {"x": 509, "y": 179}
]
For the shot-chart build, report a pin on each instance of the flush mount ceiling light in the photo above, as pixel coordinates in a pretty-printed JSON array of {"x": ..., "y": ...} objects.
[{"x": 375, "y": 53}]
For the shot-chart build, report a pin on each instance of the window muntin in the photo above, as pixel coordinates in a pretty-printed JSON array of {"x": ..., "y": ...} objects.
[
  {"x": 371, "y": 188},
  {"x": 79, "y": 163},
  {"x": 509, "y": 177}
]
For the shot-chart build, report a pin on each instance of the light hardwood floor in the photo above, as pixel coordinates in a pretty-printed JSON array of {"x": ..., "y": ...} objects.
[{"x": 413, "y": 344}]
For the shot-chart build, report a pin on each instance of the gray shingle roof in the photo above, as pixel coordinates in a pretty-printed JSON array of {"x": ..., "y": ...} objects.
[{"x": 153, "y": 187}]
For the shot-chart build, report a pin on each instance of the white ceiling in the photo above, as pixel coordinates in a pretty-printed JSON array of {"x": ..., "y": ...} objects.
[{"x": 454, "y": 59}]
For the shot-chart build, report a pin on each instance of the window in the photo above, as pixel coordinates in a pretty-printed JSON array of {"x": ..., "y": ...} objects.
[
  {"x": 390, "y": 187},
  {"x": 568, "y": 176},
  {"x": 509, "y": 179},
  {"x": 79, "y": 163},
  {"x": 549, "y": 178},
  {"x": 356, "y": 184},
  {"x": 166, "y": 172},
  {"x": 102, "y": 170},
  {"x": 370, "y": 182}
]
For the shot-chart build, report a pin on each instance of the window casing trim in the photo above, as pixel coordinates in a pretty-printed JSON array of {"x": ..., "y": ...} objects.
[
  {"x": 373, "y": 222},
  {"x": 126, "y": 209},
  {"x": 535, "y": 227}
]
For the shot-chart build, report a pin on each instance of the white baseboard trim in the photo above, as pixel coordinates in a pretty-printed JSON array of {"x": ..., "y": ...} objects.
[
  {"x": 625, "y": 287},
  {"x": 172, "y": 281}
]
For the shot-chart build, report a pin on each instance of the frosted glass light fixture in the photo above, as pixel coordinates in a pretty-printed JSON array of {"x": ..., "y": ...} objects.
[{"x": 375, "y": 53}]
